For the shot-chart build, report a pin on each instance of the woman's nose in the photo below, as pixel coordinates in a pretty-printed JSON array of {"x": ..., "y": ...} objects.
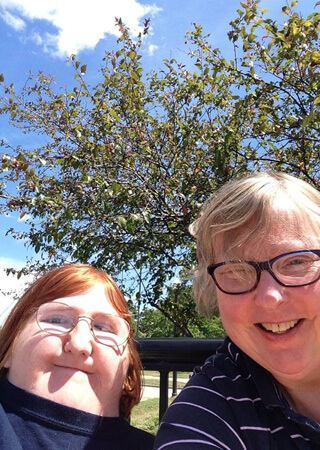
[
  {"x": 79, "y": 340},
  {"x": 269, "y": 292}
]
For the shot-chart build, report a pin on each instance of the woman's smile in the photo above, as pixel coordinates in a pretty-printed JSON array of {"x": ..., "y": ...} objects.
[{"x": 279, "y": 328}]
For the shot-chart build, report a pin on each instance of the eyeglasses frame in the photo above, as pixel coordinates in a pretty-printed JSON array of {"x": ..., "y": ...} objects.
[
  {"x": 86, "y": 319},
  {"x": 259, "y": 267}
]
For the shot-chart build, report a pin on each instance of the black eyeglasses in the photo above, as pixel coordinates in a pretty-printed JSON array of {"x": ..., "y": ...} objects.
[
  {"x": 59, "y": 319},
  {"x": 289, "y": 269}
]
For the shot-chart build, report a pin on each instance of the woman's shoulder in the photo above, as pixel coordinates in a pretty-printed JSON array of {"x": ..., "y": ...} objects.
[
  {"x": 227, "y": 366},
  {"x": 222, "y": 386},
  {"x": 216, "y": 402},
  {"x": 141, "y": 439}
]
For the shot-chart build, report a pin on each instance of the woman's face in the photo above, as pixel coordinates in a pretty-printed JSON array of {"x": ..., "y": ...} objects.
[
  {"x": 73, "y": 369},
  {"x": 291, "y": 355}
]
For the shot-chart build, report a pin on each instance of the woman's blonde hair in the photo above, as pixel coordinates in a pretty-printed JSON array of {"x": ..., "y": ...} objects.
[
  {"x": 243, "y": 211},
  {"x": 66, "y": 281}
]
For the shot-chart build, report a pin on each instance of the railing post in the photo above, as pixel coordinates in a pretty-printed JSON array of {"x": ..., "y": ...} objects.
[
  {"x": 163, "y": 398},
  {"x": 174, "y": 383}
]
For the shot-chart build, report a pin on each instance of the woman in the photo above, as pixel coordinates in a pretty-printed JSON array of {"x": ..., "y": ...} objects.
[
  {"x": 69, "y": 370},
  {"x": 258, "y": 242}
]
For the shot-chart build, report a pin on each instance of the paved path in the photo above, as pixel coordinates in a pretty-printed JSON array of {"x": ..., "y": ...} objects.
[
  {"x": 152, "y": 377},
  {"x": 153, "y": 392}
]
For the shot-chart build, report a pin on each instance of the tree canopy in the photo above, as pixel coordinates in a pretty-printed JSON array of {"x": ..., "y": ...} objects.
[{"x": 125, "y": 165}]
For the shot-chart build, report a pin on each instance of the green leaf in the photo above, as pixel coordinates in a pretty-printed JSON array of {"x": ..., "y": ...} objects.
[
  {"x": 116, "y": 187},
  {"x": 114, "y": 115},
  {"x": 132, "y": 55},
  {"x": 315, "y": 57},
  {"x": 122, "y": 222}
]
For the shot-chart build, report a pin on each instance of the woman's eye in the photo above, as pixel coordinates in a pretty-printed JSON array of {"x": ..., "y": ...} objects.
[
  {"x": 295, "y": 262},
  {"x": 104, "y": 327},
  {"x": 299, "y": 262},
  {"x": 55, "y": 319}
]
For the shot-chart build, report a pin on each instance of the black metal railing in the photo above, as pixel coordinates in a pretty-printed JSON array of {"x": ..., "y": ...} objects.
[{"x": 173, "y": 354}]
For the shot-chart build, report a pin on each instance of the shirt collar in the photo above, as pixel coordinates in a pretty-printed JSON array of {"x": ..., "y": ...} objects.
[{"x": 265, "y": 383}]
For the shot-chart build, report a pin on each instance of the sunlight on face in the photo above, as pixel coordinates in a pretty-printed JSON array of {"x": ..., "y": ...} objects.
[
  {"x": 252, "y": 320},
  {"x": 72, "y": 369}
]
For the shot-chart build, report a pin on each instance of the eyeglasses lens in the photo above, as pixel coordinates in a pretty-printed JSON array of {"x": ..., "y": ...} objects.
[
  {"x": 235, "y": 277},
  {"x": 56, "y": 318},
  {"x": 109, "y": 329},
  {"x": 297, "y": 268}
]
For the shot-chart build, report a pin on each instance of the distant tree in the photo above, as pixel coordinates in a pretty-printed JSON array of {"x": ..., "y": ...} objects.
[
  {"x": 124, "y": 165},
  {"x": 178, "y": 317},
  {"x": 154, "y": 324}
]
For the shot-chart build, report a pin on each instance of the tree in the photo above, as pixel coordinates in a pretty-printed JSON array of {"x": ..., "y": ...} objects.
[
  {"x": 177, "y": 317},
  {"x": 125, "y": 165}
]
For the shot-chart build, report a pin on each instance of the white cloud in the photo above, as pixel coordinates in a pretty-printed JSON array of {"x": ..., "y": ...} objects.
[
  {"x": 80, "y": 24},
  {"x": 36, "y": 38},
  {"x": 13, "y": 21},
  {"x": 10, "y": 286},
  {"x": 152, "y": 48},
  {"x": 11, "y": 262}
]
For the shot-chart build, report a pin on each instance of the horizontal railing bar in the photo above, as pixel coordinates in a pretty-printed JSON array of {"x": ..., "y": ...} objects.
[{"x": 176, "y": 350}]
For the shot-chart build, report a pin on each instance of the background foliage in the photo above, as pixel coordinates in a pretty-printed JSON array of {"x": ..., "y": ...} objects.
[
  {"x": 177, "y": 316},
  {"x": 124, "y": 165}
]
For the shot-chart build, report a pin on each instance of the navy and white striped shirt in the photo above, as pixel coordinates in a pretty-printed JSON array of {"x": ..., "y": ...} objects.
[{"x": 232, "y": 403}]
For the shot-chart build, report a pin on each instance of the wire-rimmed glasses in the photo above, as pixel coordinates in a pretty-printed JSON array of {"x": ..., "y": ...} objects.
[
  {"x": 59, "y": 319},
  {"x": 292, "y": 269}
]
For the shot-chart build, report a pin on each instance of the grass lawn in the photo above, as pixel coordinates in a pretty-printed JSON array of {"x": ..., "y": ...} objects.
[{"x": 146, "y": 415}]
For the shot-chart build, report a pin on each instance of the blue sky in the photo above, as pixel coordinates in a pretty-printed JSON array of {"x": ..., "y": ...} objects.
[{"x": 42, "y": 34}]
